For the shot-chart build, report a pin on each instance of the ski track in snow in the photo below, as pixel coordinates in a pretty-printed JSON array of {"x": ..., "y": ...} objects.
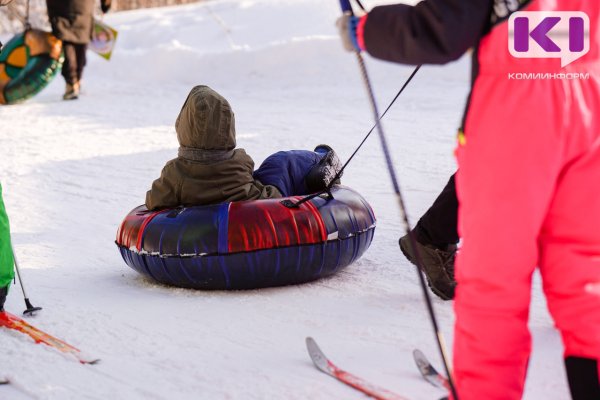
[{"x": 72, "y": 170}]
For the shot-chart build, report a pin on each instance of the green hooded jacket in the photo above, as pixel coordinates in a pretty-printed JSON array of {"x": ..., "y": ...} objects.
[
  {"x": 208, "y": 170},
  {"x": 7, "y": 263}
]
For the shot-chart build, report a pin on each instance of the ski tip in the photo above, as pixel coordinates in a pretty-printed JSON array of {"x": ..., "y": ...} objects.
[
  {"x": 429, "y": 372},
  {"x": 90, "y": 362},
  {"x": 317, "y": 356},
  {"x": 312, "y": 347},
  {"x": 421, "y": 361}
]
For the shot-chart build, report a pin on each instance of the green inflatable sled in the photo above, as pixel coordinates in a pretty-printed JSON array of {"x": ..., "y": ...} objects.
[{"x": 28, "y": 63}]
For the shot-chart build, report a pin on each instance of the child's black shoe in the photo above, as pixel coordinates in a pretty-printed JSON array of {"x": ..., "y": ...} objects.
[{"x": 320, "y": 176}]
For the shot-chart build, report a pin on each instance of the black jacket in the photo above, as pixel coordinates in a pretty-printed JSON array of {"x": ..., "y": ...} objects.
[{"x": 432, "y": 32}]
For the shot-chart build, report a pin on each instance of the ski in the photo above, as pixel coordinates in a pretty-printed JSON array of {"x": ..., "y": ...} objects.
[
  {"x": 429, "y": 372},
  {"x": 325, "y": 365},
  {"x": 13, "y": 322}
]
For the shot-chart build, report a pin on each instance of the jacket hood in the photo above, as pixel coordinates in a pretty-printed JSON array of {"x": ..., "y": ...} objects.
[{"x": 206, "y": 121}]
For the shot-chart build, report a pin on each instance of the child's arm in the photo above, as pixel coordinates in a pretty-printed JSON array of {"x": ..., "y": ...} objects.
[{"x": 165, "y": 191}]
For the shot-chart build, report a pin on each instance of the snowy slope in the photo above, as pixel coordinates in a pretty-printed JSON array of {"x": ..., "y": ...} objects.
[{"x": 72, "y": 170}]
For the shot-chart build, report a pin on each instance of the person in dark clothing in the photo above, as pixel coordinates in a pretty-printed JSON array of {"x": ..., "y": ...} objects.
[
  {"x": 527, "y": 152},
  {"x": 72, "y": 22}
]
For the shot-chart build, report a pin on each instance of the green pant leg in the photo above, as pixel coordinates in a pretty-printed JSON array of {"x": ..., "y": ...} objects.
[{"x": 7, "y": 271}]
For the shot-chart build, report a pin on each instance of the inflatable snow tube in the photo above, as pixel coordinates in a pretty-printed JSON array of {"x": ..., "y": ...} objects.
[
  {"x": 248, "y": 244},
  {"x": 28, "y": 62}
]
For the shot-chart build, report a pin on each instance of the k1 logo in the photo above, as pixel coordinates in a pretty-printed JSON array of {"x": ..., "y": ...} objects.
[{"x": 545, "y": 34}]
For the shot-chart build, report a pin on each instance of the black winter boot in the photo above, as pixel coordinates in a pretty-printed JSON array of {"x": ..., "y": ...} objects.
[
  {"x": 438, "y": 266},
  {"x": 319, "y": 177},
  {"x": 3, "y": 293}
]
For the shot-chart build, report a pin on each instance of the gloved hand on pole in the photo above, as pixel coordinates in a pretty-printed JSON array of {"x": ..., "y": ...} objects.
[{"x": 348, "y": 27}]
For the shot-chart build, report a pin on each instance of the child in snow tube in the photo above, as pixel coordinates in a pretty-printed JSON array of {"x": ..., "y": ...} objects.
[{"x": 210, "y": 170}]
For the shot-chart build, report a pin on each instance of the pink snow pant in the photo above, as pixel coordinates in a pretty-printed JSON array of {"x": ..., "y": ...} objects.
[{"x": 529, "y": 192}]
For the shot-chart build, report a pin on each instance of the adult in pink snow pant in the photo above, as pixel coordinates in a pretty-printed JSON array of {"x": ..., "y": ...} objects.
[
  {"x": 529, "y": 168},
  {"x": 527, "y": 188}
]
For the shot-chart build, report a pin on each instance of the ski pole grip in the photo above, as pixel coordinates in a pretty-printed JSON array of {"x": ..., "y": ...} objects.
[{"x": 346, "y": 7}]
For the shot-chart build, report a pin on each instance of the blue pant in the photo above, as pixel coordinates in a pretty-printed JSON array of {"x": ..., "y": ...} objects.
[{"x": 286, "y": 171}]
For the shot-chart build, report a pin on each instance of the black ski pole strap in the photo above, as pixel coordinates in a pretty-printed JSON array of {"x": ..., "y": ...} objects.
[
  {"x": 339, "y": 174},
  {"x": 361, "y": 5},
  {"x": 291, "y": 204}
]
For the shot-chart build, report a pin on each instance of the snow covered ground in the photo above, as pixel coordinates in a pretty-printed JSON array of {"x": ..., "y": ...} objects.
[{"x": 72, "y": 170}]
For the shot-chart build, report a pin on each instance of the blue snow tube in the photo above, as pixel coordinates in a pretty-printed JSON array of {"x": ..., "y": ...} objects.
[{"x": 248, "y": 244}]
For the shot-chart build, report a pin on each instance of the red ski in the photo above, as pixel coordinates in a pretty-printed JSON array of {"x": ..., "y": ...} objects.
[
  {"x": 13, "y": 322},
  {"x": 325, "y": 365}
]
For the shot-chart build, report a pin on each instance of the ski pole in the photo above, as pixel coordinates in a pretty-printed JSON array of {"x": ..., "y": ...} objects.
[
  {"x": 347, "y": 10},
  {"x": 30, "y": 308}
]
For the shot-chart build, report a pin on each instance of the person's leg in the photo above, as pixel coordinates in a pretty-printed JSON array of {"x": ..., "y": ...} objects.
[
  {"x": 70, "y": 70},
  {"x": 81, "y": 50},
  {"x": 7, "y": 272},
  {"x": 69, "y": 67},
  {"x": 288, "y": 171},
  {"x": 570, "y": 267},
  {"x": 438, "y": 226},
  {"x": 436, "y": 237},
  {"x": 508, "y": 169}
]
